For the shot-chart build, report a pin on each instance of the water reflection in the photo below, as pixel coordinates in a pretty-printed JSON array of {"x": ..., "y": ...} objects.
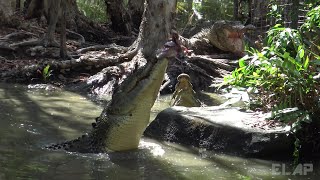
[{"x": 31, "y": 119}]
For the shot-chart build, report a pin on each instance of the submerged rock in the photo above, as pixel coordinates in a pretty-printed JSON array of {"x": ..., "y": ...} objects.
[{"x": 227, "y": 130}]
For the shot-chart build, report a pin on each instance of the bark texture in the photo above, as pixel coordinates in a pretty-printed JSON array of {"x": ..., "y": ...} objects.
[
  {"x": 7, "y": 8},
  {"x": 136, "y": 8},
  {"x": 119, "y": 16}
]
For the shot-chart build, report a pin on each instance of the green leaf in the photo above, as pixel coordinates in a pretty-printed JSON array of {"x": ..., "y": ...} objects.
[
  {"x": 301, "y": 53},
  {"x": 242, "y": 62},
  {"x": 45, "y": 70},
  {"x": 286, "y": 55},
  {"x": 306, "y": 63}
]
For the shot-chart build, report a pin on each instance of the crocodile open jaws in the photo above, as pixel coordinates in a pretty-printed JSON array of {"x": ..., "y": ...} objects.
[{"x": 122, "y": 123}]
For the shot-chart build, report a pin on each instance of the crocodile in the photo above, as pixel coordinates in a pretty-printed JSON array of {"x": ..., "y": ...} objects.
[
  {"x": 122, "y": 123},
  {"x": 184, "y": 95},
  {"x": 227, "y": 36}
]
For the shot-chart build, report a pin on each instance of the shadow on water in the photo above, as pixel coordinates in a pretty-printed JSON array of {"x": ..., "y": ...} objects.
[
  {"x": 48, "y": 110},
  {"x": 223, "y": 166},
  {"x": 30, "y": 119}
]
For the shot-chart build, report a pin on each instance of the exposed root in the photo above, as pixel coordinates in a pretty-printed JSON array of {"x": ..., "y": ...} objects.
[
  {"x": 28, "y": 72},
  {"x": 121, "y": 38},
  {"x": 5, "y": 47},
  {"x": 33, "y": 42},
  {"x": 16, "y": 36},
  {"x": 92, "y": 48},
  {"x": 2, "y": 59},
  {"x": 72, "y": 34},
  {"x": 129, "y": 54},
  {"x": 111, "y": 48},
  {"x": 45, "y": 42}
]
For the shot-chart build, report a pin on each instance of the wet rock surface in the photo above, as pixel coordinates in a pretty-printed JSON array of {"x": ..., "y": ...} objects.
[{"x": 222, "y": 129}]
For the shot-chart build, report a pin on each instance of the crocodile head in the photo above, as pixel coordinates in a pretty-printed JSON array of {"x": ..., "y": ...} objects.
[
  {"x": 184, "y": 95},
  {"x": 229, "y": 36},
  {"x": 122, "y": 123},
  {"x": 170, "y": 49},
  {"x": 128, "y": 114}
]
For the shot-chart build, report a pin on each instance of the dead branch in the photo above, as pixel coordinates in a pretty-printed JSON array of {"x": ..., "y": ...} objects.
[{"x": 225, "y": 64}]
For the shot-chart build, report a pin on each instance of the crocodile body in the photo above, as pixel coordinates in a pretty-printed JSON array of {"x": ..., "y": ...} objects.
[{"x": 122, "y": 123}]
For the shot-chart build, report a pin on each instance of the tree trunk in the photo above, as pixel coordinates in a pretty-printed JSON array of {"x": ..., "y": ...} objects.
[
  {"x": 7, "y": 8},
  {"x": 119, "y": 16},
  {"x": 156, "y": 25},
  {"x": 236, "y": 9},
  {"x": 18, "y": 5},
  {"x": 123, "y": 120},
  {"x": 136, "y": 8}
]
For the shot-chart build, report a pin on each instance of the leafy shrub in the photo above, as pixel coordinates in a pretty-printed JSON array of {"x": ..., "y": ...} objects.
[
  {"x": 282, "y": 72},
  {"x": 311, "y": 30},
  {"x": 95, "y": 10}
]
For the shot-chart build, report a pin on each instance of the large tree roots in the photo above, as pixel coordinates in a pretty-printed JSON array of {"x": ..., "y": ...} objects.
[{"x": 97, "y": 68}]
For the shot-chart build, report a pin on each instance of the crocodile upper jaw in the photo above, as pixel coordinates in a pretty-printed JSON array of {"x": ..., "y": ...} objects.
[{"x": 127, "y": 127}]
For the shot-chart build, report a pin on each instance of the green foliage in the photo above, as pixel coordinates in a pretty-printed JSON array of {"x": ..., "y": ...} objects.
[
  {"x": 46, "y": 73},
  {"x": 281, "y": 71},
  {"x": 216, "y": 10},
  {"x": 311, "y": 30},
  {"x": 312, "y": 3},
  {"x": 185, "y": 13},
  {"x": 275, "y": 11},
  {"x": 208, "y": 9},
  {"x": 313, "y": 19},
  {"x": 94, "y": 9},
  {"x": 292, "y": 116}
]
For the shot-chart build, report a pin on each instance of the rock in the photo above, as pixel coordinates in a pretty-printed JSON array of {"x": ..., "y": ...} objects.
[
  {"x": 46, "y": 87},
  {"x": 221, "y": 129},
  {"x": 237, "y": 98}
]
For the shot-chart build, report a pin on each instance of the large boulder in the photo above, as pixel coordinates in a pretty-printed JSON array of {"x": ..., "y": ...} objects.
[{"x": 221, "y": 129}]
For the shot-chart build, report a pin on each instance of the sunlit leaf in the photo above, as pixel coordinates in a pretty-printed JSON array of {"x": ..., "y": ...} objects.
[
  {"x": 306, "y": 63},
  {"x": 242, "y": 63},
  {"x": 301, "y": 53}
]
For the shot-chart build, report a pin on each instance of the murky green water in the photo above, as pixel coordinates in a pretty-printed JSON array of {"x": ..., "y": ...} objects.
[{"x": 30, "y": 119}]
